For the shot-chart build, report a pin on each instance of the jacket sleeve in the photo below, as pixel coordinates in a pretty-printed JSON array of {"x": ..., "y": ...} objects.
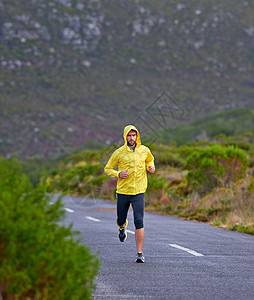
[
  {"x": 111, "y": 164},
  {"x": 149, "y": 160}
]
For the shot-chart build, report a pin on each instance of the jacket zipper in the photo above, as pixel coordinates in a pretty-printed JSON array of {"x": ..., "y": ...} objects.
[{"x": 135, "y": 171}]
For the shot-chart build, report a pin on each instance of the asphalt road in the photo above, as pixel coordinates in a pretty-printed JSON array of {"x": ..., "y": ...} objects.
[{"x": 184, "y": 259}]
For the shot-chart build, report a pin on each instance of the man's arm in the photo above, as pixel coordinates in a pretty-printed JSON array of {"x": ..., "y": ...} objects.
[
  {"x": 111, "y": 164},
  {"x": 150, "y": 162}
]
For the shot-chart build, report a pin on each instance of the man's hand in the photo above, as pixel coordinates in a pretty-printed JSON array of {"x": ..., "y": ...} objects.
[
  {"x": 151, "y": 169},
  {"x": 123, "y": 174}
]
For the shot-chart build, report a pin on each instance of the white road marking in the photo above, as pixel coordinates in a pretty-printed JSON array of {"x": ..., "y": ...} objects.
[
  {"x": 69, "y": 210},
  {"x": 93, "y": 219},
  {"x": 186, "y": 249},
  {"x": 132, "y": 232}
]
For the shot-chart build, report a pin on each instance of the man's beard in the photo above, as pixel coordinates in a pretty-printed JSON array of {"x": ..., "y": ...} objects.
[{"x": 133, "y": 144}]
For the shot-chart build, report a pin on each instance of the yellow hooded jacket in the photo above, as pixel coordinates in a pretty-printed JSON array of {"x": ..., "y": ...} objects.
[{"x": 137, "y": 163}]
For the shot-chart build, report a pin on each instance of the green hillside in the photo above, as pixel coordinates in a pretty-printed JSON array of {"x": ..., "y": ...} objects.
[
  {"x": 74, "y": 71},
  {"x": 237, "y": 122}
]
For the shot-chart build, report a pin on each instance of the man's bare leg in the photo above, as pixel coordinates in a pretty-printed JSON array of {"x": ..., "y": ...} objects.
[{"x": 139, "y": 236}]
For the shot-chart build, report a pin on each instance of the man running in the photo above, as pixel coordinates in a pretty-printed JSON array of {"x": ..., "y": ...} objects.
[{"x": 133, "y": 160}]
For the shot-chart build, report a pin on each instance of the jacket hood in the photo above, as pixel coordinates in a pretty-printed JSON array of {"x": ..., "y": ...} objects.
[{"x": 127, "y": 129}]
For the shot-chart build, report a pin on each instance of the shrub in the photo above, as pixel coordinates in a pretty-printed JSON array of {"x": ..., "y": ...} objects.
[
  {"x": 168, "y": 158},
  {"x": 187, "y": 150},
  {"x": 243, "y": 228},
  {"x": 39, "y": 259},
  {"x": 155, "y": 183},
  {"x": 215, "y": 166},
  {"x": 154, "y": 190},
  {"x": 86, "y": 155},
  {"x": 80, "y": 178}
]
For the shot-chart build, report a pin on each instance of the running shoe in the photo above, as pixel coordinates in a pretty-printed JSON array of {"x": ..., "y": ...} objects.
[
  {"x": 140, "y": 258},
  {"x": 122, "y": 232}
]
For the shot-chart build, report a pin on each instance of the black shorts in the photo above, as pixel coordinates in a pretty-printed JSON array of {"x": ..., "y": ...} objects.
[{"x": 138, "y": 205}]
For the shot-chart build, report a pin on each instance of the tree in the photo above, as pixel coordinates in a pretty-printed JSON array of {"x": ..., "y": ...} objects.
[{"x": 39, "y": 259}]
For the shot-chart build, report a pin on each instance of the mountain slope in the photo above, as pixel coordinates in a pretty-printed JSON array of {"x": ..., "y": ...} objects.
[
  {"x": 237, "y": 124},
  {"x": 73, "y": 71}
]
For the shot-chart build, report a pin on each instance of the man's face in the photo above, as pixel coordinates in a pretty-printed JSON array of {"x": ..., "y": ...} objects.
[{"x": 131, "y": 138}]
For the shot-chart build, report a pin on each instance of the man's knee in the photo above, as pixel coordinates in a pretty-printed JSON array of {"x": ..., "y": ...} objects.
[
  {"x": 120, "y": 222},
  {"x": 139, "y": 223}
]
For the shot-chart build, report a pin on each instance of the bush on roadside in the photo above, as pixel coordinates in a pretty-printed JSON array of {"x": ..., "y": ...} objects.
[
  {"x": 39, "y": 259},
  {"x": 81, "y": 179},
  {"x": 216, "y": 166},
  {"x": 168, "y": 158}
]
